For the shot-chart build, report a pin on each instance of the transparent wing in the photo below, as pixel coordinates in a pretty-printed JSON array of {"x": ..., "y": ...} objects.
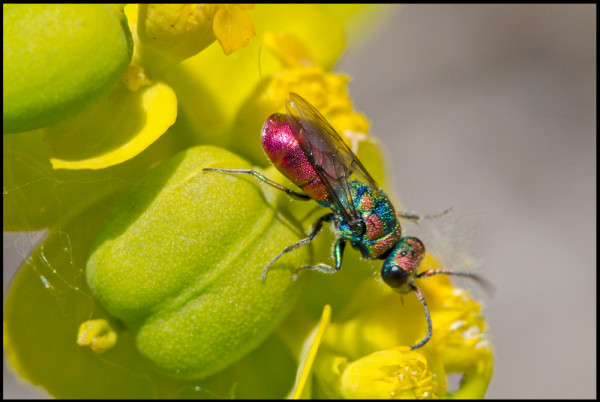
[{"x": 332, "y": 159}]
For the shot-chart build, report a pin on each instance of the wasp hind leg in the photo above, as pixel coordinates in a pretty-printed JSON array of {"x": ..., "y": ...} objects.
[
  {"x": 316, "y": 228},
  {"x": 264, "y": 179}
]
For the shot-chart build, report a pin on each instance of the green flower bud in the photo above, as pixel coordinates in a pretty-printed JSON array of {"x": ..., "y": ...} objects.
[
  {"x": 180, "y": 262},
  {"x": 59, "y": 59}
]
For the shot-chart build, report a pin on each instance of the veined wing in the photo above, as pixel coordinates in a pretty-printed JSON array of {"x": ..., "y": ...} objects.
[{"x": 331, "y": 158}]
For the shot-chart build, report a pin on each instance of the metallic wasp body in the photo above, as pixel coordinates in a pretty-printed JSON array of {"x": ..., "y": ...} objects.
[{"x": 303, "y": 146}]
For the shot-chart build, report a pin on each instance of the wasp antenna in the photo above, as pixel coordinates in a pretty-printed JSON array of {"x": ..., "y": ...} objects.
[{"x": 487, "y": 286}]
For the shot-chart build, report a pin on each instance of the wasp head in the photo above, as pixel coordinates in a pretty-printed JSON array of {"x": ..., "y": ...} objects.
[{"x": 402, "y": 264}]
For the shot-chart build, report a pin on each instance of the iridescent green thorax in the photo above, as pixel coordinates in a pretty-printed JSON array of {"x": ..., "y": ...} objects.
[{"x": 381, "y": 227}]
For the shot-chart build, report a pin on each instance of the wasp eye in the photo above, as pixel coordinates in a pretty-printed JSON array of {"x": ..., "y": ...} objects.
[{"x": 394, "y": 276}]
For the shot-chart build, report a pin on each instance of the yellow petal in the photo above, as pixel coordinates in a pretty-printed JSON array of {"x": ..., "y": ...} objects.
[
  {"x": 233, "y": 28},
  {"x": 307, "y": 355},
  {"x": 118, "y": 128}
]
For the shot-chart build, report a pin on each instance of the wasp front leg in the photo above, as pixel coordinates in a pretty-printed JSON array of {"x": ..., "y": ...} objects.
[
  {"x": 316, "y": 228},
  {"x": 423, "y": 341},
  {"x": 338, "y": 252}
]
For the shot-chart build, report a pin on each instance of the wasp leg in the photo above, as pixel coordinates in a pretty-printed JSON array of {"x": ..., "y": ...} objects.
[
  {"x": 264, "y": 179},
  {"x": 416, "y": 218},
  {"x": 427, "y": 316},
  {"x": 338, "y": 252},
  {"x": 314, "y": 231}
]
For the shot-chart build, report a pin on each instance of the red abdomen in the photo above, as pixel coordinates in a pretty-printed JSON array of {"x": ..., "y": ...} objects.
[{"x": 282, "y": 148}]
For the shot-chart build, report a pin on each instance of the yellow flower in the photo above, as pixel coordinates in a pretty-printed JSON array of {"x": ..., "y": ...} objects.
[
  {"x": 365, "y": 355},
  {"x": 181, "y": 90},
  {"x": 389, "y": 374}
]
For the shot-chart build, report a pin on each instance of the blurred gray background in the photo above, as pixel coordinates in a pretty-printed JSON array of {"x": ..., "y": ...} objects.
[{"x": 491, "y": 110}]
